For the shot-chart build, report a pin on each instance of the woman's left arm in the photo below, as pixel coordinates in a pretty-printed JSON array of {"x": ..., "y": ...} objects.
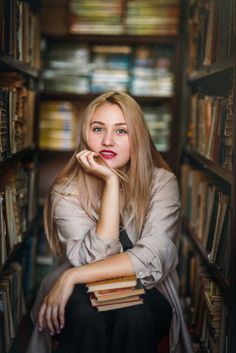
[{"x": 53, "y": 308}]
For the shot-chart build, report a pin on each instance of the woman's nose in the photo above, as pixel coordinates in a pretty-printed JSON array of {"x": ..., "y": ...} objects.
[{"x": 108, "y": 139}]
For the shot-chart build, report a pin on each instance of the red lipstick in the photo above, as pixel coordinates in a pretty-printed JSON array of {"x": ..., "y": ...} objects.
[{"x": 107, "y": 154}]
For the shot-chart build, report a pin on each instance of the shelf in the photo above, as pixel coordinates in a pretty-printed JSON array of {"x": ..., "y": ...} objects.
[
  {"x": 212, "y": 166},
  {"x": 19, "y": 155},
  {"x": 18, "y": 246},
  {"x": 91, "y": 96},
  {"x": 212, "y": 268},
  {"x": 112, "y": 38},
  {"x": 216, "y": 68},
  {"x": 12, "y": 63},
  {"x": 48, "y": 151}
]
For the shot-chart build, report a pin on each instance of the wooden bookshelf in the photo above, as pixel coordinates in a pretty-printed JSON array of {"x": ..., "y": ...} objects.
[
  {"x": 214, "y": 69},
  {"x": 16, "y": 65},
  {"x": 212, "y": 268},
  {"x": 18, "y": 247},
  {"x": 110, "y": 39},
  {"x": 90, "y": 96},
  {"x": 209, "y": 72},
  {"x": 214, "y": 167},
  {"x": 18, "y": 156}
]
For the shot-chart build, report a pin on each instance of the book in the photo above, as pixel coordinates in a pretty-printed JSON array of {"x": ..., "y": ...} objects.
[
  {"x": 119, "y": 305},
  {"x": 118, "y": 293},
  {"x": 97, "y": 303},
  {"x": 111, "y": 283}
]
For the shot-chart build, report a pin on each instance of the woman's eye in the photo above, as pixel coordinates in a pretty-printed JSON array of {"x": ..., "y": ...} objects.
[
  {"x": 121, "y": 131},
  {"x": 97, "y": 129}
]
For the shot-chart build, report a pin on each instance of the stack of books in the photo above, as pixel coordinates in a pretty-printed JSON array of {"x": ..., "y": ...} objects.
[{"x": 115, "y": 293}]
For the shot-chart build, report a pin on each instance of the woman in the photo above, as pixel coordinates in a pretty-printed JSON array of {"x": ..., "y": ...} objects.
[{"x": 115, "y": 180}]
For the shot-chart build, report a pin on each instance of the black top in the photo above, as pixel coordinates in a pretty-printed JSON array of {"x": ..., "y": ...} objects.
[{"x": 125, "y": 240}]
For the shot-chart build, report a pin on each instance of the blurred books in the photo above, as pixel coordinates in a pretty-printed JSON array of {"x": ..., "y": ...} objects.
[
  {"x": 95, "y": 17},
  {"x": 80, "y": 69},
  {"x": 158, "y": 120},
  {"x": 66, "y": 68},
  {"x": 135, "y": 17},
  {"x": 57, "y": 125},
  {"x": 115, "y": 293},
  {"x": 152, "y": 17},
  {"x": 152, "y": 72}
]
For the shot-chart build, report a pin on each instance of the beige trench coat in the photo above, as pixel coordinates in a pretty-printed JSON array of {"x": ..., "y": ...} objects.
[{"x": 154, "y": 256}]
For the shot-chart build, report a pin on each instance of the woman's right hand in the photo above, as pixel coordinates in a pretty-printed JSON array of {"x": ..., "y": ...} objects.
[{"x": 93, "y": 163}]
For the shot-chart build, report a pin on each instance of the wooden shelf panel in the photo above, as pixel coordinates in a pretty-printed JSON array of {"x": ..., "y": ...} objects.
[
  {"x": 109, "y": 38},
  {"x": 21, "y": 154},
  {"x": 212, "y": 166},
  {"x": 216, "y": 68},
  {"x": 14, "y": 64},
  {"x": 91, "y": 96},
  {"x": 203, "y": 253}
]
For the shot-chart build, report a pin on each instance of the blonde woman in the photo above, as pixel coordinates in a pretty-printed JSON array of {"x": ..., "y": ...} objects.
[{"x": 113, "y": 211}]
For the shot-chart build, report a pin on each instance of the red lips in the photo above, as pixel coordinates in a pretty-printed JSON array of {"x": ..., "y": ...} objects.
[{"x": 107, "y": 154}]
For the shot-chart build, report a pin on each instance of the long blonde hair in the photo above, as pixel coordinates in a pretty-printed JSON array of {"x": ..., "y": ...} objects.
[{"x": 135, "y": 182}]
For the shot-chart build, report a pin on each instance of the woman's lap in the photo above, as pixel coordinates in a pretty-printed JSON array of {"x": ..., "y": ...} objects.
[{"x": 151, "y": 319}]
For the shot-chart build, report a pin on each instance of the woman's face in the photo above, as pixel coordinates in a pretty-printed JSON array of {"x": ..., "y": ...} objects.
[{"x": 108, "y": 135}]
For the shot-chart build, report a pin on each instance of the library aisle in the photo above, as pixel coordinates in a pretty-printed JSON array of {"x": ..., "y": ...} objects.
[{"x": 176, "y": 58}]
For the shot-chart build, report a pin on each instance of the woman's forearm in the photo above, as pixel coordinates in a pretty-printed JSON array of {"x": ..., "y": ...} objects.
[
  {"x": 109, "y": 216},
  {"x": 114, "y": 266}
]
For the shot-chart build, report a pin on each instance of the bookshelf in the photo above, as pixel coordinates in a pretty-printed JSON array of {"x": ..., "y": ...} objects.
[
  {"x": 207, "y": 172},
  {"x": 19, "y": 72},
  {"x": 100, "y": 51}
]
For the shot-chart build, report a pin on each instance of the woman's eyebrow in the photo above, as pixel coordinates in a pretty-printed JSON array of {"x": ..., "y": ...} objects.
[{"x": 101, "y": 123}]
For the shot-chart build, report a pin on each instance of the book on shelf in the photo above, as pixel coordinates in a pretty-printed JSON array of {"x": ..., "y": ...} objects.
[
  {"x": 211, "y": 33},
  {"x": 115, "y": 293},
  {"x": 147, "y": 17},
  {"x": 16, "y": 114},
  {"x": 18, "y": 193},
  {"x": 207, "y": 207},
  {"x": 210, "y": 127},
  {"x": 20, "y": 32},
  {"x": 57, "y": 125},
  {"x": 95, "y": 17},
  {"x": 12, "y": 303},
  {"x": 207, "y": 306}
]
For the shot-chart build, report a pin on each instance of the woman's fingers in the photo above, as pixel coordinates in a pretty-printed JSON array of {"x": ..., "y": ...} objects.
[
  {"x": 48, "y": 317},
  {"x": 55, "y": 318},
  {"x": 62, "y": 315},
  {"x": 41, "y": 316}
]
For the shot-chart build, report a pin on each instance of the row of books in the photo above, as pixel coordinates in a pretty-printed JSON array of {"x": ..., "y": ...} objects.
[
  {"x": 16, "y": 114},
  {"x": 17, "y": 205},
  {"x": 115, "y": 293},
  {"x": 148, "y": 17},
  {"x": 142, "y": 17},
  {"x": 211, "y": 32},
  {"x": 207, "y": 207},
  {"x": 205, "y": 306},
  {"x": 59, "y": 125},
  {"x": 12, "y": 304},
  {"x": 210, "y": 130},
  {"x": 20, "y": 32},
  {"x": 140, "y": 70},
  {"x": 158, "y": 119}
]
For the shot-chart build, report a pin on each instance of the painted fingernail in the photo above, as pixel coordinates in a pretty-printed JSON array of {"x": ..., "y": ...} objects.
[
  {"x": 51, "y": 333},
  {"x": 61, "y": 327},
  {"x": 40, "y": 329},
  {"x": 58, "y": 331}
]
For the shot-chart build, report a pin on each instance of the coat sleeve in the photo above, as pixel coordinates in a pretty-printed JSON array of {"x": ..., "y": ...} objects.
[
  {"x": 77, "y": 231},
  {"x": 155, "y": 254}
]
